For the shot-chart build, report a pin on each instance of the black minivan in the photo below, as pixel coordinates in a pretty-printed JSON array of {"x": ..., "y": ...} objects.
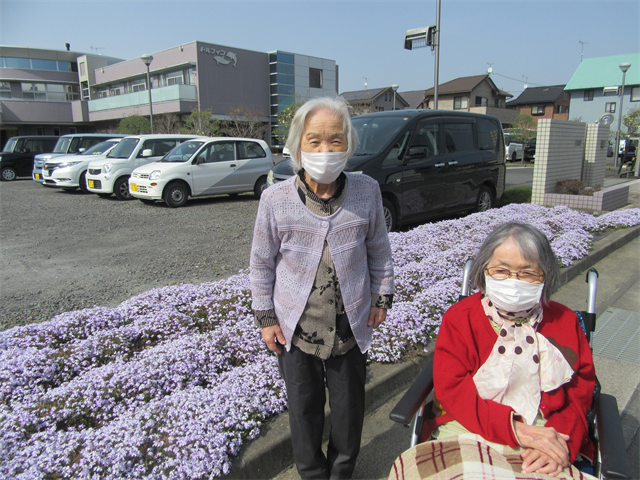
[{"x": 429, "y": 163}]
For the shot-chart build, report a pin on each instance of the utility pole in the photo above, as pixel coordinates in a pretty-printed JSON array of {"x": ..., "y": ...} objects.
[
  {"x": 582, "y": 49},
  {"x": 437, "y": 44}
]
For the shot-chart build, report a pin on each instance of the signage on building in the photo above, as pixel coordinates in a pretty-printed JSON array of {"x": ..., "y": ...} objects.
[{"x": 222, "y": 57}]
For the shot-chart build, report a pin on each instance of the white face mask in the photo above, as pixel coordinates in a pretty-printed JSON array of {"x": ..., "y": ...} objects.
[
  {"x": 513, "y": 295},
  {"x": 323, "y": 167}
]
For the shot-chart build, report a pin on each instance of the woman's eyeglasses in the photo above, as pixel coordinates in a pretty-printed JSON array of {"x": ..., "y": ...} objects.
[{"x": 501, "y": 273}]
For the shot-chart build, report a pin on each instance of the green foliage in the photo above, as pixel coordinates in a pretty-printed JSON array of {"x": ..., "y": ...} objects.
[
  {"x": 632, "y": 120},
  {"x": 285, "y": 117},
  {"x": 201, "y": 122},
  {"x": 134, "y": 125},
  {"x": 521, "y": 194},
  {"x": 524, "y": 128}
]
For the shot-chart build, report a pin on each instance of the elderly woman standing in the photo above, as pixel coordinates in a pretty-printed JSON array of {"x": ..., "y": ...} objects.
[
  {"x": 322, "y": 280},
  {"x": 513, "y": 372}
]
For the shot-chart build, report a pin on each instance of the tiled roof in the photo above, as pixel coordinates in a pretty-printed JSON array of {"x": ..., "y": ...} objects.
[
  {"x": 538, "y": 95},
  {"x": 464, "y": 85},
  {"x": 362, "y": 96},
  {"x": 414, "y": 98},
  {"x": 605, "y": 72}
]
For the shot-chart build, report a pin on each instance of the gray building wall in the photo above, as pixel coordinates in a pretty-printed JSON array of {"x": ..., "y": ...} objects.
[{"x": 589, "y": 111}]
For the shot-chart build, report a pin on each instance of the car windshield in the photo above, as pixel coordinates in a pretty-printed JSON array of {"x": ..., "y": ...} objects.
[
  {"x": 62, "y": 146},
  {"x": 183, "y": 152},
  {"x": 374, "y": 133},
  {"x": 125, "y": 148},
  {"x": 100, "y": 148},
  {"x": 8, "y": 147}
]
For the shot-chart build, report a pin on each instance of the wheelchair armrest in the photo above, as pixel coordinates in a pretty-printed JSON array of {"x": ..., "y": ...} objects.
[
  {"x": 413, "y": 399},
  {"x": 611, "y": 439}
]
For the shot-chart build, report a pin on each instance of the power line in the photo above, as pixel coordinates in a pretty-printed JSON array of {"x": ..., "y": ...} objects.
[{"x": 517, "y": 79}]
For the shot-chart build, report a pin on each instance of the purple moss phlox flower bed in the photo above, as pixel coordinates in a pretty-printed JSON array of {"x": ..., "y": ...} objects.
[{"x": 171, "y": 383}]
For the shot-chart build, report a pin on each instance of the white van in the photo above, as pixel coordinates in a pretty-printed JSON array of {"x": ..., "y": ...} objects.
[
  {"x": 111, "y": 175},
  {"x": 69, "y": 171},
  {"x": 513, "y": 149},
  {"x": 211, "y": 166}
]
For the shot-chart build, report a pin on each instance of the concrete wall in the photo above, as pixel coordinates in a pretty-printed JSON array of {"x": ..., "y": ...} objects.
[
  {"x": 559, "y": 155},
  {"x": 595, "y": 154}
]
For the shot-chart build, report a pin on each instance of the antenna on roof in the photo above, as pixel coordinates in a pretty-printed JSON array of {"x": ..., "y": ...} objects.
[
  {"x": 489, "y": 70},
  {"x": 365, "y": 82},
  {"x": 581, "y": 42},
  {"x": 96, "y": 48},
  {"x": 526, "y": 79}
]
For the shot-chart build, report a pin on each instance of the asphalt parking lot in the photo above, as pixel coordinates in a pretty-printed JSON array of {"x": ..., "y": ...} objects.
[{"x": 62, "y": 251}]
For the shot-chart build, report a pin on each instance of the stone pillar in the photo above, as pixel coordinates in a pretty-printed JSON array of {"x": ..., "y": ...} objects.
[{"x": 595, "y": 154}]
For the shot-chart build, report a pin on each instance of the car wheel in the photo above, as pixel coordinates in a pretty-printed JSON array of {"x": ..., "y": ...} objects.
[
  {"x": 175, "y": 195},
  {"x": 514, "y": 157},
  {"x": 261, "y": 186},
  {"x": 485, "y": 200},
  {"x": 8, "y": 174},
  {"x": 83, "y": 182},
  {"x": 389, "y": 212},
  {"x": 121, "y": 189}
]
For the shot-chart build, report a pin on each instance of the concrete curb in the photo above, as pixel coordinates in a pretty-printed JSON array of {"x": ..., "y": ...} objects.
[{"x": 271, "y": 452}]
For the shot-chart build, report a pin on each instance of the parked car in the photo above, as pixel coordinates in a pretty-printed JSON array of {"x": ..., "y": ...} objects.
[
  {"x": 286, "y": 153},
  {"x": 429, "y": 163},
  {"x": 204, "y": 167},
  {"x": 69, "y": 171},
  {"x": 513, "y": 149},
  {"x": 111, "y": 174},
  {"x": 16, "y": 158},
  {"x": 529, "y": 150},
  {"x": 69, "y": 144}
]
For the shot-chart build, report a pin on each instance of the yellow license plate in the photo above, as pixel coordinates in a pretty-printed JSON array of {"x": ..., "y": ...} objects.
[
  {"x": 90, "y": 182},
  {"x": 134, "y": 187},
  {"x": 38, "y": 176}
]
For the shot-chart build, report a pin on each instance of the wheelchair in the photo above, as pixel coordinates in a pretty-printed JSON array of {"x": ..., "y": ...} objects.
[{"x": 605, "y": 426}]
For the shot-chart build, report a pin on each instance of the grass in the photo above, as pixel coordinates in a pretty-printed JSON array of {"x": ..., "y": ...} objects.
[{"x": 521, "y": 194}]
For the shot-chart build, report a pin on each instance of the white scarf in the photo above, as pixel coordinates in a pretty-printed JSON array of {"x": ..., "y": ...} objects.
[{"x": 521, "y": 364}]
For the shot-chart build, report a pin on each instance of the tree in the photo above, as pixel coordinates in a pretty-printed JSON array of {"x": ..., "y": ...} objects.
[
  {"x": 524, "y": 129},
  {"x": 632, "y": 120},
  {"x": 201, "y": 122},
  {"x": 134, "y": 125},
  {"x": 166, "y": 123},
  {"x": 244, "y": 122},
  {"x": 361, "y": 108},
  {"x": 285, "y": 117}
]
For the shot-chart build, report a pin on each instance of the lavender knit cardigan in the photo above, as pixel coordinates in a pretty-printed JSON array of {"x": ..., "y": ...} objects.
[{"x": 287, "y": 247}]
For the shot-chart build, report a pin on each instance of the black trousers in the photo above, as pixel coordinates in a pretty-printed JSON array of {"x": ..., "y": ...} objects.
[{"x": 305, "y": 377}]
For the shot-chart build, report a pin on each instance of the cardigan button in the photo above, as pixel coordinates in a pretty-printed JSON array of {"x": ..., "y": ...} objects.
[{"x": 325, "y": 224}]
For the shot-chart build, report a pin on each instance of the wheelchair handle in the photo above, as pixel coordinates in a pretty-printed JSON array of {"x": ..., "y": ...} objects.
[
  {"x": 592, "y": 280},
  {"x": 464, "y": 291}
]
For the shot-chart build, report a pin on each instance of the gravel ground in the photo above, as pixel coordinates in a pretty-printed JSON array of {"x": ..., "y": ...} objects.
[{"x": 64, "y": 251}]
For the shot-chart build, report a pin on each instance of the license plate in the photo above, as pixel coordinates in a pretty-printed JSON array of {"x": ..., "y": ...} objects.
[
  {"x": 134, "y": 187},
  {"x": 90, "y": 182},
  {"x": 38, "y": 176}
]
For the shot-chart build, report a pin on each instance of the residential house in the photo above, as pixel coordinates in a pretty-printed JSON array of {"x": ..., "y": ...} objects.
[
  {"x": 415, "y": 99},
  {"x": 375, "y": 100},
  {"x": 476, "y": 94},
  {"x": 543, "y": 102},
  {"x": 595, "y": 88}
]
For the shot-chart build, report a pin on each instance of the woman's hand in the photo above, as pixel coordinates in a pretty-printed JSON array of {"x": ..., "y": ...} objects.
[
  {"x": 547, "y": 442},
  {"x": 536, "y": 461},
  {"x": 274, "y": 338},
  {"x": 376, "y": 316}
]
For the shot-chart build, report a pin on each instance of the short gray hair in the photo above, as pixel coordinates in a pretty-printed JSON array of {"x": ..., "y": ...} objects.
[
  {"x": 338, "y": 106},
  {"x": 534, "y": 247}
]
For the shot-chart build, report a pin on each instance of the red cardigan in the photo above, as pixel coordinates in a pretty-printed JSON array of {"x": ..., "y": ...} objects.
[{"x": 465, "y": 341}]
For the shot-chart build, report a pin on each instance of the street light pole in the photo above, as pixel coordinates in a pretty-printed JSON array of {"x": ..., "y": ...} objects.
[
  {"x": 395, "y": 89},
  {"x": 437, "y": 43},
  {"x": 624, "y": 67},
  {"x": 147, "y": 59}
]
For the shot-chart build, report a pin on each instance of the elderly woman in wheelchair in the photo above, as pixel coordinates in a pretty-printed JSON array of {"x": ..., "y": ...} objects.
[{"x": 513, "y": 372}]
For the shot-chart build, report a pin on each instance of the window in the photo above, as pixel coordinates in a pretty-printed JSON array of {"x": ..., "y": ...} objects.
[
  {"x": 56, "y": 93},
  {"x": 73, "y": 130},
  {"x": 488, "y": 134},
  {"x": 175, "y": 78},
  {"x": 499, "y": 103},
  {"x": 139, "y": 85},
  {"x": 104, "y": 93},
  {"x": 38, "y": 64},
  {"x": 114, "y": 92},
  {"x": 315, "y": 78},
  {"x": 34, "y": 91},
  {"x": 538, "y": 110},
  {"x": 458, "y": 137},
  {"x": 39, "y": 130},
  {"x": 83, "y": 69},
  {"x": 610, "y": 107},
  {"x": 158, "y": 146},
  {"x": 5, "y": 90},
  {"x": 73, "y": 93},
  {"x": 250, "y": 150},
  {"x": 588, "y": 95},
  {"x": 220, "y": 152},
  {"x": 85, "y": 90},
  {"x": 20, "y": 63},
  {"x": 635, "y": 94},
  {"x": 558, "y": 108},
  {"x": 56, "y": 131},
  {"x": 481, "y": 101},
  {"x": 460, "y": 103}
]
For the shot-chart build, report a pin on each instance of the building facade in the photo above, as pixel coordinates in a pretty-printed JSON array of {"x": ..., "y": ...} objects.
[
  {"x": 99, "y": 92},
  {"x": 543, "y": 102},
  {"x": 595, "y": 88}
]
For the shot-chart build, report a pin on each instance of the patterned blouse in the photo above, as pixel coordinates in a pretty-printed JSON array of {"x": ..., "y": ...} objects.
[{"x": 323, "y": 329}]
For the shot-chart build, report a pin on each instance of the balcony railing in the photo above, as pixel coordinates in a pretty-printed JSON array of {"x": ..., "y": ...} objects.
[{"x": 158, "y": 95}]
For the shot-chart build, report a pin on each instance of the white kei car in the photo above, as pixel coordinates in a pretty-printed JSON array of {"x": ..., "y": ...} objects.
[
  {"x": 69, "y": 171},
  {"x": 199, "y": 167}
]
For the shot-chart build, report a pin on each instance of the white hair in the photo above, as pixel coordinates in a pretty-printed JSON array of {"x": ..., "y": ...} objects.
[{"x": 338, "y": 106}]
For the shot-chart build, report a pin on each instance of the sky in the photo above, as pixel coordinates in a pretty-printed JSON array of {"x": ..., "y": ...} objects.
[{"x": 525, "y": 42}]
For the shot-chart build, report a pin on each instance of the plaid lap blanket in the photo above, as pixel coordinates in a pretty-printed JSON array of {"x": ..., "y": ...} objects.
[{"x": 467, "y": 457}]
